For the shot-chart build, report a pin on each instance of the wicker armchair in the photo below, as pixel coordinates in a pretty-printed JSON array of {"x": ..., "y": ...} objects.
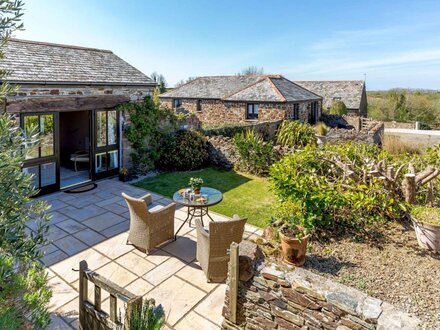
[
  {"x": 212, "y": 246},
  {"x": 149, "y": 229}
]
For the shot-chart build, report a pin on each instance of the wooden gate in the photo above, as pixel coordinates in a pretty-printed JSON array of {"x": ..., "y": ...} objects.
[{"x": 91, "y": 316}]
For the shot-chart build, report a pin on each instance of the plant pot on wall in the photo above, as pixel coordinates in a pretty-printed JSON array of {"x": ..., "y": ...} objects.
[{"x": 294, "y": 249}]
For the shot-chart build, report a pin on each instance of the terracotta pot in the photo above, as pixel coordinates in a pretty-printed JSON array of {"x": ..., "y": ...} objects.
[
  {"x": 294, "y": 250},
  {"x": 428, "y": 236},
  {"x": 197, "y": 191}
]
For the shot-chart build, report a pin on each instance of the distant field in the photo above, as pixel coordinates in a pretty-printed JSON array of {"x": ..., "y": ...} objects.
[{"x": 405, "y": 106}]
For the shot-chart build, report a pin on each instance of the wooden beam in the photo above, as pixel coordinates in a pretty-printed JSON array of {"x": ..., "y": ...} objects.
[
  {"x": 83, "y": 288},
  {"x": 64, "y": 103}
]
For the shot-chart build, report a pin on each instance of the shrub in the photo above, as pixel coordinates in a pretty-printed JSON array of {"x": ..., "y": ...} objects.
[
  {"x": 295, "y": 134},
  {"x": 255, "y": 155},
  {"x": 312, "y": 177},
  {"x": 184, "y": 150},
  {"x": 149, "y": 125},
  {"x": 338, "y": 108},
  {"x": 321, "y": 129}
]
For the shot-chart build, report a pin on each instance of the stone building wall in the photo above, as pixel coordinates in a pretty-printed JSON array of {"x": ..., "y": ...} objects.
[
  {"x": 272, "y": 296},
  {"x": 218, "y": 112}
]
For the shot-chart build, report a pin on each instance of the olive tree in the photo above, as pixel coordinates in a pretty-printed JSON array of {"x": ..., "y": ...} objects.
[{"x": 23, "y": 284}]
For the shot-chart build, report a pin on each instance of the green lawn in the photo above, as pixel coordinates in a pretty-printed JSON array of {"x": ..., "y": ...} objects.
[{"x": 245, "y": 195}]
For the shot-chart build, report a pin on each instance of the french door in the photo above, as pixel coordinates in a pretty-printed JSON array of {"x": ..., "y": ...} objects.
[
  {"x": 105, "y": 160},
  {"x": 41, "y": 158}
]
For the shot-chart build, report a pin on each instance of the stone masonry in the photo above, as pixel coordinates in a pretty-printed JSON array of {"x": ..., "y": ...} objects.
[
  {"x": 215, "y": 112},
  {"x": 279, "y": 298}
]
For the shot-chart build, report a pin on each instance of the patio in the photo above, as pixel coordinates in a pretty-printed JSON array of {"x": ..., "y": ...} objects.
[{"x": 93, "y": 226}]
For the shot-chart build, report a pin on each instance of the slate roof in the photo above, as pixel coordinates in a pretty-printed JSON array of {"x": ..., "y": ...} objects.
[
  {"x": 349, "y": 91},
  {"x": 255, "y": 88},
  {"x": 39, "y": 62}
]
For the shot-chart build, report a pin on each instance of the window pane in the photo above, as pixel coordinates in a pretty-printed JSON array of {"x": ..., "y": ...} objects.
[
  {"x": 34, "y": 171},
  {"x": 46, "y": 135},
  {"x": 30, "y": 129},
  {"x": 101, "y": 129},
  {"x": 48, "y": 174},
  {"x": 250, "y": 108},
  {"x": 113, "y": 159},
  {"x": 101, "y": 162},
  {"x": 256, "y": 108},
  {"x": 112, "y": 128}
]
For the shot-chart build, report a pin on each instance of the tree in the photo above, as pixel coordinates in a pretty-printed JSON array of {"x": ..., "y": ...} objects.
[
  {"x": 183, "y": 82},
  {"x": 251, "y": 71},
  {"x": 23, "y": 284},
  {"x": 338, "y": 108},
  {"x": 160, "y": 80}
]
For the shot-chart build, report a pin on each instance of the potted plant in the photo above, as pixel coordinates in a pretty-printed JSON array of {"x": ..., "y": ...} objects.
[
  {"x": 293, "y": 227},
  {"x": 426, "y": 221},
  {"x": 123, "y": 174},
  {"x": 196, "y": 184}
]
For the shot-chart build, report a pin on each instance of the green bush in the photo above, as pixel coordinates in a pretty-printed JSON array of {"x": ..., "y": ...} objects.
[
  {"x": 149, "y": 125},
  {"x": 255, "y": 155},
  {"x": 184, "y": 150},
  {"x": 338, "y": 108},
  {"x": 295, "y": 134},
  {"x": 228, "y": 130},
  {"x": 310, "y": 176}
]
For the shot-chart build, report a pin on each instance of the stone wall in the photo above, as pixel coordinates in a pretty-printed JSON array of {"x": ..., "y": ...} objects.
[
  {"x": 277, "y": 297},
  {"x": 215, "y": 112},
  {"x": 134, "y": 92}
]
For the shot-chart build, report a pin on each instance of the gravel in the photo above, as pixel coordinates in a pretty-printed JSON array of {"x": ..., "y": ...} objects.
[{"x": 388, "y": 265}]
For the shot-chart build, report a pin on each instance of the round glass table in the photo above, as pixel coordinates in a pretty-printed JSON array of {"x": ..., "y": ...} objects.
[{"x": 197, "y": 206}]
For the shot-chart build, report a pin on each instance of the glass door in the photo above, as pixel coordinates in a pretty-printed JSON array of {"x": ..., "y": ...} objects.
[
  {"x": 41, "y": 158},
  {"x": 106, "y": 143}
]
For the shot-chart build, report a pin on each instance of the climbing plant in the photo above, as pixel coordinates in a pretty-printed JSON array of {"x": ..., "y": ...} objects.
[{"x": 148, "y": 125}]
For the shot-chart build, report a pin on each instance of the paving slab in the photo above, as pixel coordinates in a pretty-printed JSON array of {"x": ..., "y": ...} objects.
[
  {"x": 103, "y": 221},
  {"x": 114, "y": 247},
  {"x": 89, "y": 236},
  {"x": 135, "y": 263},
  {"x": 84, "y": 213},
  {"x": 183, "y": 248},
  {"x": 177, "y": 296},
  {"x": 195, "y": 321},
  {"x": 70, "y": 226},
  {"x": 164, "y": 271}
]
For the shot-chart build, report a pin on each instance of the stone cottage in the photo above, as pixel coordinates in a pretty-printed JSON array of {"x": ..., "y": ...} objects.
[
  {"x": 351, "y": 92},
  {"x": 68, "y": 95},
  {"x": 238, "y": 99}
]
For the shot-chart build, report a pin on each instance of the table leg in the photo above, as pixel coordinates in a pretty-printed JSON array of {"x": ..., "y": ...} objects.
[
  {"x": 187, "y": 217},
  {"x": 207, "y": 213}
]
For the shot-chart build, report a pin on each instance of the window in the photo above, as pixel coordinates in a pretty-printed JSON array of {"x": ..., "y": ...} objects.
[
  {"x": 296, "y": 111},
  {"x": 43, "y": 125},
  {"x": 336, "y": 98},
  {"x": 199, "y": 105},
  {"x": 252, "y": 111},
  {"x": 177, "y": 103}
]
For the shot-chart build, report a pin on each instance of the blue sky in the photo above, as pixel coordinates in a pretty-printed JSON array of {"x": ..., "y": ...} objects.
[{"x": 395, "y": 43}]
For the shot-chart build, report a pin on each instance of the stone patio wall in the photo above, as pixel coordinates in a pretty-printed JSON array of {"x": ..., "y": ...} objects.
[{"x": 278, "y": 298}]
